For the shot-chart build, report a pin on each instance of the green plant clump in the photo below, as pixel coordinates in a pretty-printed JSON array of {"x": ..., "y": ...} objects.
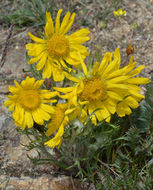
[
  {"x": 26, "y": 13},
  {"x": 116, "y": 155}
]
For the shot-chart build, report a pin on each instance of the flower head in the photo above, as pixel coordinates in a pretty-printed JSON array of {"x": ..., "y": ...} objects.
[
  {"x": 119, "y": 13},
  {"x": 107, "y": 88},
  {"x": 57, "y": 49},
  {"x": 28, "y": 103},
  {"x": 62, "y": 115}
]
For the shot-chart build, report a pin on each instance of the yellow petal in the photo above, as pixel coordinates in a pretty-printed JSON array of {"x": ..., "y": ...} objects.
[
  {"x": 47, "y": 94},
  {"x": 11, "y": 108},
  {"x": 119, "y": 79},
  {"x": 114, "y": 96},
  {"x": 68, "y": 76},
  {"x": 64, "y": 90},
  {"x": 123, "y": 109},
  {"x": 28, "y": 118},
  {"x": 68, "y": 111},
  {"x": 120, "y": 86},
  {"x": 103, "y": 113},
  {"x": 83, "y": 102},
  {"x": 116, "y": 73},
  {"x": 129, "y": 68},
  {"x": 64, "y": 22},
  {"x": 13, "y": 89},
  {"x": 94, "y": 120},
  {"x": 47, "y": 71},
  {"x": 51, "y": 128},
  {"x": 42, "y": 62},
  {"x": 118, "y": 58},
  {"x": 49, "y": 101},
  {"x": 57, "y": 24},
  {"x": 69, "y": 24},
  {"x": 114, "y": 65},
  {"x": 21, "y": 114},
  {"x": 71, "y": 61},
  {"x": 49, "y": 28},
  {"x": 44, "y": 115},
  {"x": 47, "y": 108},
  {"x": 36, "y": 117},
  {"x": 38, "y": 84},
  {"x": 56, "y": 141},
  {"x": 83, "y": 65},
  {"x": 111, "y": 108},
  {"x": 82, "y": 32},
  {"x": 138, "y": 80},
  {"x": 136, "y": 94},
  {"x": 74, "y": 55},
  {"x": 36, "y": 39},
  {"x": 28, "y": 82},
  {"x": 58, "y": 74},
  {"x": 131, "y": 102},
  {"x": 35, "y": 59},
  {"x": 64, "y": 65},
  {"x": 134, "y": 87},
  {"x": 35, "y": 49},
  {"x": 105, "y": 61},
  {"x": 17, "y": 84},
  {"x": 78, "y": 40},
  {"x": 80, "y": 48},
  {"x": 18, "y": 114},
  {"x": 136, "y": 71}
]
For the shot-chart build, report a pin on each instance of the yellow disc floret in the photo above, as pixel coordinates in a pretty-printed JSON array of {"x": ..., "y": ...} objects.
[
  {"x": 57, "y": 46},
  {"x": 30, "y": 99},
  {"x": 94, "y": 89}
]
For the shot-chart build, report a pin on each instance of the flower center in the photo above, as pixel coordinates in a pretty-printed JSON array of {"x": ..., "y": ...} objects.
[
  {"x": 94, "y": 89},
  {"x": 57, "y": 46},
  {"x": 30, "y": 99}
]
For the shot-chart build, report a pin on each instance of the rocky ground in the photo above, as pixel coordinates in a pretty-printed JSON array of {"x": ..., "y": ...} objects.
[{"x": 107, "y": 33}]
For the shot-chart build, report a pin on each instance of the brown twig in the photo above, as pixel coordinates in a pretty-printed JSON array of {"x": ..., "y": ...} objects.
[{"x": 3, "y": 59}]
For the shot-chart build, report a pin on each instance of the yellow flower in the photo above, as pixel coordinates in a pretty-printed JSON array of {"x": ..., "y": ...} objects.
[
  {"x": 63, "y": 114},
  {"x": 28, "y": 103},
  {"x": 119, "y": 13},
  {"x": 56, "y": 49},
  {"x": 107, "y": 88}
]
